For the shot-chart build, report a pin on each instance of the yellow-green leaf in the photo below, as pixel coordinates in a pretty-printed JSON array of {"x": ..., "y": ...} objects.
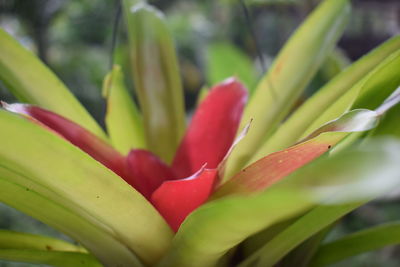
[
  {"x": 123, "y": 121},
  {"x": 290, "y": 73},
  {"x": 157, "y": 80},
  {"x": 219, "y": 225},
  {"x": 360, "y": 242},
  {"x": 367, "y": 93},
  {"x": 292, "y": 129},
  {"x": 18, "y": 240},
  {"x": 97, "y": 240},
  {"x": 67, "y": 175},
  {"x": 31, "y": 81}
]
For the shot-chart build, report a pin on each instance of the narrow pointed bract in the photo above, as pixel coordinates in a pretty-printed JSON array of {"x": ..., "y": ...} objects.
[{"x": 212, "y": 129}]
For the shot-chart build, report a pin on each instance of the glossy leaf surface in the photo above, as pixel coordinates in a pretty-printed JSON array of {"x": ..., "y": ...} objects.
[
  {"x": 291, "y": 71},
  {"x": 156, "y": 77},
  {"x": 36, "y": 84}
]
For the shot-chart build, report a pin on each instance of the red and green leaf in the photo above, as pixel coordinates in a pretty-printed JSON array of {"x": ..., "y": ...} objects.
[{"x": 74, "y": 133}]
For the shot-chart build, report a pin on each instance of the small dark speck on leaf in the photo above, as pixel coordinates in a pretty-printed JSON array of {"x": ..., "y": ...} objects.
[
  {"x": 27, "y": 189},
  {"x": 97, "y": 196},
  {"x": 329, "y": 146},
  {"x": 49, "y": 247}
]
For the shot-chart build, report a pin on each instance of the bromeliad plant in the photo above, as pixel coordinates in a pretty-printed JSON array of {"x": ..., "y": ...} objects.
[{"x": 223, "y": 191}]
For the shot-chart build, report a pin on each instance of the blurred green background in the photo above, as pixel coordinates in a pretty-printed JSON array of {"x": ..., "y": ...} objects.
[{"x": 214, "y": 39}]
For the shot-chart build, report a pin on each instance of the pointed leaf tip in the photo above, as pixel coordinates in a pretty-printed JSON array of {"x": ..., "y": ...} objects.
[
  {"x": 74, "y": 133},
  {"x": 212, "y": 129}
]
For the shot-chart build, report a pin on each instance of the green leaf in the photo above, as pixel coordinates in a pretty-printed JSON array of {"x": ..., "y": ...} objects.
[
  {"x": 217, "y": 226},
  {"x": 63, "y": 173},
  {"x": 15, "y": 246},
  {"x": 17, "y": 240},
  {"x": 214, "y": 228},
  {"x": 290, "y": 73},
  {"x": 53, "y": 258},
  {"x": 291, "y": 130},
  {"x": 334, "y": 64},
  {"x": 357, "y": 243},
  {"x": 123, "y": 121},
  {"x": 276, "y": 166},
  {"x": 295, "y": 234},
  {"x": 225, "y": 60},
  {"x": 367, "y": 93},
  {"x": 100, "y": 242},
  {"x": 302, "y": 255},
  {"x": 389, "y": 125},
  {"x": 156, "y": 76},
  {"x": 35, "y": 83}
]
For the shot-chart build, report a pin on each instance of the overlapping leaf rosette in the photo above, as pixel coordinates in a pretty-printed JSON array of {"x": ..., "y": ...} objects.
[{"x": 152, "y": 191}]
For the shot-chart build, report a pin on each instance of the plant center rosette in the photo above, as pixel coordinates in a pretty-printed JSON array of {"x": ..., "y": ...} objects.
[{"x": 174, "y": 189}]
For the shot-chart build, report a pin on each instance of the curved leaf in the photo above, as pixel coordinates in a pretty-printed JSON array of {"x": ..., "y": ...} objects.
[
  {"x": 275, "y": 166},
  {"x": 15, "y": 246},
  {"x": 212, "y": 129},
  {"x": 219, "y": 225},
  {"x": 305, "y": 227},
  {"x": 272, "y": 168},
  {"x": 74, "y": 133},
  {"x": 357, "y": 243},
  {"x": 292, "y": 129},
  {"x": 35, "y": 83},
  {"x": 17, "y": 191},
  {"x": 292, "y": 70},
  {"x": 18, "y": 240},
  {"x": 368, "y": 93},
  {"x": 82, "y": 184},
  {"x": 156, "y": 76},
  {"x": 53, "y": 258},
  {"x": 123, "y": 121}
]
